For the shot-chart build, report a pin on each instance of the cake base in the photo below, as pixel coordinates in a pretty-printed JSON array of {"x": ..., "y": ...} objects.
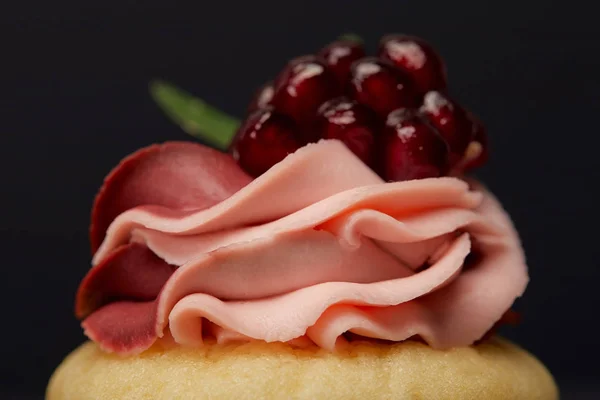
[{"x": 496, "y": 369}]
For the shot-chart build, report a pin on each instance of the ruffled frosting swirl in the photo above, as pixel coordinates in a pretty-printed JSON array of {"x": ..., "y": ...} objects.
[{"x": 316, "y": 247}]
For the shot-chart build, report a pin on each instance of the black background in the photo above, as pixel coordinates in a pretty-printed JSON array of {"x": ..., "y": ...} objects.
[{"x": 74, "y": 101}]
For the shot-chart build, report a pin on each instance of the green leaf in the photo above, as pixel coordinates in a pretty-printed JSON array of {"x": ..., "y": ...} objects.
[
  {"x": 352, "y": 37},
  {"x": 194, "y": 116}
]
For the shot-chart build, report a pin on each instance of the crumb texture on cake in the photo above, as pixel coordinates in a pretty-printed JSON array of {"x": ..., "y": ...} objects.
[{"x": 496, "y": 369}]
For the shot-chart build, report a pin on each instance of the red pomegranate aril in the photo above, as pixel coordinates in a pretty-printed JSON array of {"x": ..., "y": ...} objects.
[
  {"x": 412, "y": 148},
  {"x": 379, "y": 86},
  {"x": 350, "y": 122},
  {"x": 262, "y": 98},
  {"x": 339, "y": 57},
  {"x": 263, "y": 140},
  {"x": 417, "y": 58},
  {"x": 301, "y": 88},
  {"x": 479, "y": 144},
  {"x": 451, "y": 120}
]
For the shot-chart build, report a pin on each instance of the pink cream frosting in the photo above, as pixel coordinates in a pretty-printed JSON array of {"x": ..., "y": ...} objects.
[{"x": 316, "y": 247}]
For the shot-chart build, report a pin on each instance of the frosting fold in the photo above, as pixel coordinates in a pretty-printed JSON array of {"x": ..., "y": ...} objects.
[{"x": 316, "y": 247}]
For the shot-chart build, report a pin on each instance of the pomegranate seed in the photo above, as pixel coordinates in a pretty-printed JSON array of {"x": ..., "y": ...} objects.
[
  {"x": 480, "y": 142},
  {"x": 417, "y": 58},
  {"x": 451, "y": 120},
  {"x": 303, "y": 85},
  {"x": 413, "y": 149},
  {"x": 339, "y": 57},
  {"x": 352, "y": 123},
  {"x": 263, "y": 140},
  {"x": 262, "y": 98},
  {"x": 379, "y": 86}
]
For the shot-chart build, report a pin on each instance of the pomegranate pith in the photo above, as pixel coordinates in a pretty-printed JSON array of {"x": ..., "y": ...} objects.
[
  {"x": 412, "y": 149},
  {"x": 352, "y": 123},
  {"x": 379, "y": 86},
  {"x": 479, "y": 142},
  {"x": 303, "y": 85},
  {"x": 416, "y": 58},
  {"x": 265, "y": 139}
]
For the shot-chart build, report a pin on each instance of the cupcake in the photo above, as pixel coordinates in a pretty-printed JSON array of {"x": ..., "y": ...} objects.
[{"x": 339, "y": 250}]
